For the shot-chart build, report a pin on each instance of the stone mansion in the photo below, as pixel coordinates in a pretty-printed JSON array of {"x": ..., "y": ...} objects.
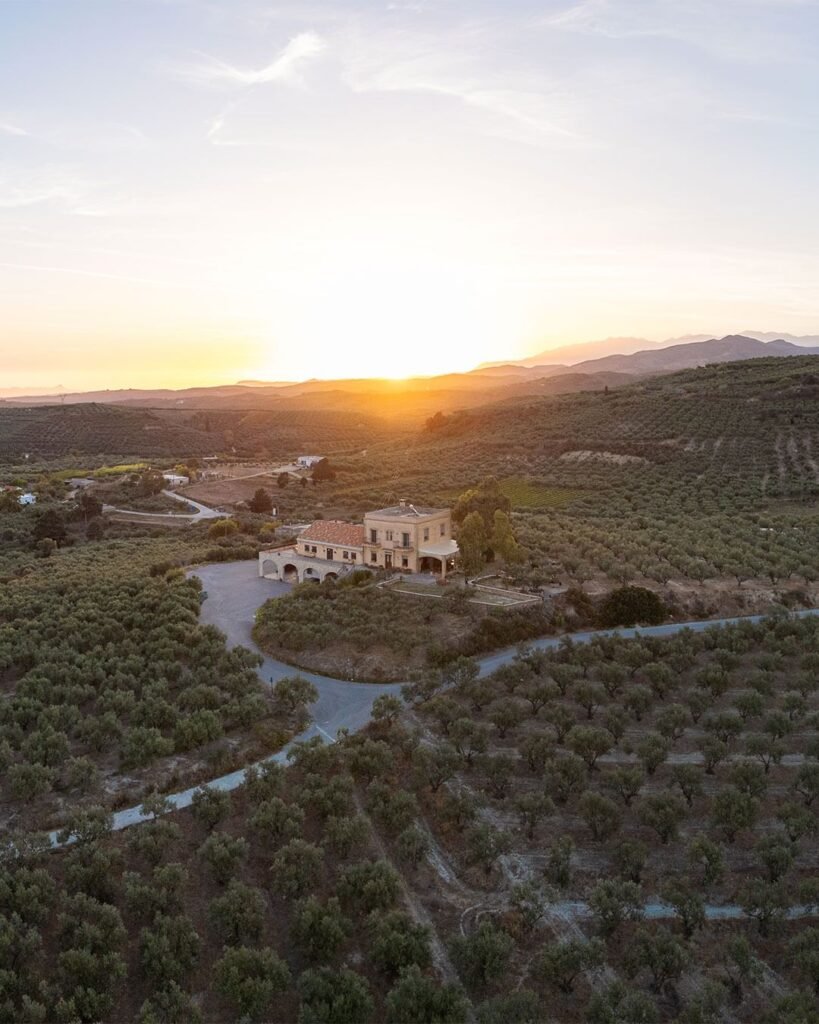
[{"x": 401, "y": 538}]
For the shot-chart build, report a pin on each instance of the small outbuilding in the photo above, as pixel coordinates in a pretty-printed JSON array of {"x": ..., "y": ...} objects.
[{"x": 176, "y": 479}]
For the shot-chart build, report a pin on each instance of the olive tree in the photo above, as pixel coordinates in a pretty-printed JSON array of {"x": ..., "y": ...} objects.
[
  {"x": 612, "y": 902},
  {"x": 663, "y": 812},
  {"x": 295, "y": 868},
  {"x": 660, "y": 953},
  {"x": 238, "y": 915},
  {"x": 333, "y": 997},
  {"x": 415, "y": 997},
  {"x": 560, "y": 963},
  {"x": 482, "y": 957},
  {"x": 397, "y": 942},
  {"x": 250, "y": 978}
]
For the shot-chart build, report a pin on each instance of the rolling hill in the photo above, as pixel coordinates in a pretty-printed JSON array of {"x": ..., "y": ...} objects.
[
  {"x": 411, "y": 399},
  {"x": 43, "y": 432}
]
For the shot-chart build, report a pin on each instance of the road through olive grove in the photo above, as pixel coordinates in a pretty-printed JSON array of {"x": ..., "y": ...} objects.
[
  {"x": 202, "y": 511},
  {"x": 232, "y": 594}
]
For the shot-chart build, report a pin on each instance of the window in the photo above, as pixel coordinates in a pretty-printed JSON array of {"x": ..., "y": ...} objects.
[
  {"x": 389, "y": 534},
  {"x": 405, "y": 563},
  {"x": 345, "y": 554},
  {"x": 373, "y": 536},
  {"x": 373, "y": 556},
  {"x": 405, "y": 540},
  {"x": 426, "y": 533},
  {"x": 353, "y": 556},
  {"x": 443, "y": 529}
]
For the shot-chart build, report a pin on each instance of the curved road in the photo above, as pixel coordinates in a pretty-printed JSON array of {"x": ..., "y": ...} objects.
[
  {"x": 234, "y": 592},
  {"x": 202, "y": 511}
]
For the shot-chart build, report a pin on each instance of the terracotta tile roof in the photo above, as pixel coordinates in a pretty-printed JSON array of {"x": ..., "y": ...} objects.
[{"x": 333, "y": 531}]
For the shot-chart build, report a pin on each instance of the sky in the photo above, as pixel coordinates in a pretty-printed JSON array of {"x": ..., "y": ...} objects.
[{"x": 196, "y": 192}]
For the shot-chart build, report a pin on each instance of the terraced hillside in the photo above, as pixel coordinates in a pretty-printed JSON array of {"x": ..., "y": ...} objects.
[
  {"x": 754, "y": 423},
  {"x": 89, "y": 429},
  {"x": 706, "y": 475}
]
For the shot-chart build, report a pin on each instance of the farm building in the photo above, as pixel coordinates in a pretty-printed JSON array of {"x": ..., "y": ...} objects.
[
  {"x": 403, "y": 538},
  {"x": 176, "y": 479}
]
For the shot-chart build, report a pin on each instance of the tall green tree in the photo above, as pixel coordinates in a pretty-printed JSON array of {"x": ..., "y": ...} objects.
[
  {"x": 502, "y": 539},
  {"x": 261, "y": 502},
  {"x": 486, "y": 500},
  {"x": 472, "y": 542}
]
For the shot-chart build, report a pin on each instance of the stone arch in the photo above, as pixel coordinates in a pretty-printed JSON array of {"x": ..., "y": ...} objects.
[
  {"x": 290, "y": 573},
  {"x": 269, "y": 568},
  {"x": 330, "y": 576}
]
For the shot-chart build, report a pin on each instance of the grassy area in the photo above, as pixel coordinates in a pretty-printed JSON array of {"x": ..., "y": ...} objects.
[
  {"x": 531, "y": 494},
  {"x": 526, "y": 494},
  {"x": 132, "y": 467}
]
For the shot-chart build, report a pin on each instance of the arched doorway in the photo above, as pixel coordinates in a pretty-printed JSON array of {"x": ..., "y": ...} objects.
[
  {"x": 269, "y": 568},
  {"x": 290, "y": 574},
  {"x": 332, "y": 576}
]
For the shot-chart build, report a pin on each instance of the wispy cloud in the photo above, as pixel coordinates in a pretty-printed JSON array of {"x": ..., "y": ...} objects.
[
  {"x": 12, "y": 129},
  {"x": 730, "y": 30},
  {"x": 286, "y": 68},
  {"x": 62, "y": 186},
  {"x": 519, "y": 104},
  {"x": 15, "y": 198}
]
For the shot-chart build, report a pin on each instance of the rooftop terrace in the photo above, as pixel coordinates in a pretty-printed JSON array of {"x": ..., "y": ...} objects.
[{"x": 406, "y": 511}]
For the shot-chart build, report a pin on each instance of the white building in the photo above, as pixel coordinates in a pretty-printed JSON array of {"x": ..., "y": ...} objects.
[
  {"x": 176, "y": 480},
  {"x": 27, "y": 499},
  {"x": 307, "y": 461}
]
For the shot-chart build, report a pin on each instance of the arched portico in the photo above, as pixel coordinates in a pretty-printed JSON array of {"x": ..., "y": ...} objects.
[{"x": 290, "y": 573}]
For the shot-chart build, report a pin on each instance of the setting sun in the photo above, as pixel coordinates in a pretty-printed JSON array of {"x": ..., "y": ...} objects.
[{"x": 384, "y": 316}]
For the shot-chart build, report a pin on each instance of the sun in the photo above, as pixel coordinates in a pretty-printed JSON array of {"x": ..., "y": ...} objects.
[{"x": 393, "y": 318}]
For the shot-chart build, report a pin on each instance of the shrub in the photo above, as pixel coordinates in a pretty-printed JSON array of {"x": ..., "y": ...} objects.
[{"x": 631, "y": 606}]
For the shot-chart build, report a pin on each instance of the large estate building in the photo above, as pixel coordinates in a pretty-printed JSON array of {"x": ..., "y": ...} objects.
[{"x": 402, "y": 538}]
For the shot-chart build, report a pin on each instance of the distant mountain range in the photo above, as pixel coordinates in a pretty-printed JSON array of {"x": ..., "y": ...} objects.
[
  {"x": 571, "y": 355},
  {"x": 607, "y": 364},
  {"x": 660, "y": 358}
]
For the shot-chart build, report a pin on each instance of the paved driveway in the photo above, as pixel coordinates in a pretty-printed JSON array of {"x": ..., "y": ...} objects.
[
  {"x": 234, "y": 592},
  {"x": 202, "y": 511}
]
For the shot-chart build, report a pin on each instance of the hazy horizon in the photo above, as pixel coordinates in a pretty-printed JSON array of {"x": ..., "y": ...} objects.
[
  {"x": 630, "y": 345},
  {"x": 197, "y": 193}
]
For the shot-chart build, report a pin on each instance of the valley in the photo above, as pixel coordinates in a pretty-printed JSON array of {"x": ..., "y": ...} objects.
[{"x": 529, "y": 807}]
